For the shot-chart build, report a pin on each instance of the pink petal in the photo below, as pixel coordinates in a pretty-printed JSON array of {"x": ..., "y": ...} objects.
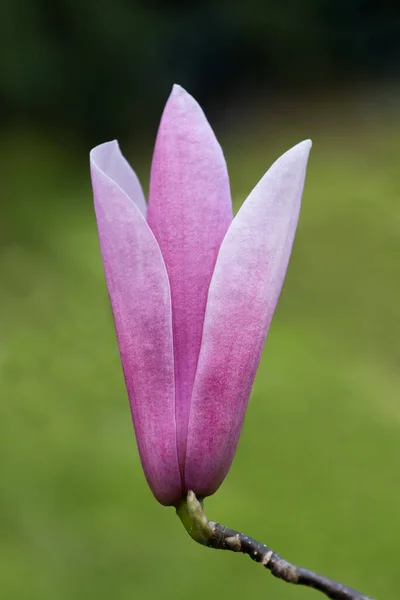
[
  {"x": 189, "y": 212},
  {"x": 244, "y": 290},
  {"x": 110, "y": 160},
  {"x": 138, "y": 286}
]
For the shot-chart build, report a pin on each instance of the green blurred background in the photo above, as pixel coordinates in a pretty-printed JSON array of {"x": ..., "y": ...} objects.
[{"x": 316, "y": 475}]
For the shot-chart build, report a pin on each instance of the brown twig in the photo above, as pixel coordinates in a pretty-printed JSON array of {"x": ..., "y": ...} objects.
[
  {"x": 228, "y": 539},
  {"x": 214, "y": 535}
]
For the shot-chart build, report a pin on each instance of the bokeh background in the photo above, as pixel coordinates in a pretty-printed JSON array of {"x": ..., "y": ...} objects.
[{"x": 317, "y": 473}]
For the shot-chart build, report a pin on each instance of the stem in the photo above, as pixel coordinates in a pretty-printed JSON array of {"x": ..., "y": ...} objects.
[{"x": 214, "y": 535}]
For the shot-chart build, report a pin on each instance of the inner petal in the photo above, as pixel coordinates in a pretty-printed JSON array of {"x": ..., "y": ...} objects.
[{"x": 189, "y": 212}]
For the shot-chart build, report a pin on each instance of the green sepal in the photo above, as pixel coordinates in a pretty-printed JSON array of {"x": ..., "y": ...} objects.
[{"x": 190, "y": 511}]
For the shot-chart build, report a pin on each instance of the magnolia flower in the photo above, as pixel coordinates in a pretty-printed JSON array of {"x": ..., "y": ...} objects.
[{"x": 193, "y": 291}]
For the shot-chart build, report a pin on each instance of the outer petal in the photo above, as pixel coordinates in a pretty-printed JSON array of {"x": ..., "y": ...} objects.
[
  {"x": 139, "y": 291},
  {"x": 189, "y": 212},
  {"x": 110, "y": 160},
  {"x": 244, "y": 290}
]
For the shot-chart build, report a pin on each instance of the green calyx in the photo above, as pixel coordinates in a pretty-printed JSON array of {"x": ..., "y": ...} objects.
[{"x": 190, "y": 511}]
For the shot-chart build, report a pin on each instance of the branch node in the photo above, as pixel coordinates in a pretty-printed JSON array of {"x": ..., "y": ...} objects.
[
  {"x": 233, "y": 543},
  {"x": 286, "y": 571},
  {"x": 267, "y": 557}
]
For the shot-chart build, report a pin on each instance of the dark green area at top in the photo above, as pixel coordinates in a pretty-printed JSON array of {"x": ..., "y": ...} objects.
[{"x": 104, "y": 68}]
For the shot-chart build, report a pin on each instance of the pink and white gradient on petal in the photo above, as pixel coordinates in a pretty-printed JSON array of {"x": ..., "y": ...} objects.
[
  {"x": 193, "y": 292},
  {"x": 138, "y": 287},
  {"x": 244, "y": 290}
]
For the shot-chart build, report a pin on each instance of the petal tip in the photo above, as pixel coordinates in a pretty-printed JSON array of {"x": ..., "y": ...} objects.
[
  {"x": 93, "y": 154},
  {"x": 181, "y": 100},
  {"x": 304, "y": 146},
  {"x": 298, "y": 154},
  {"x": 178, "y": 90}
]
